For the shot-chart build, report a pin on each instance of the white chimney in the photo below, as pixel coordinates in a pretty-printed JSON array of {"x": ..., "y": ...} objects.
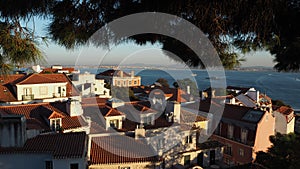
[
  {"x": 121, "y": 73},
  {"x": 132, "y": 73},
  {"x": 188, "y": 90}
]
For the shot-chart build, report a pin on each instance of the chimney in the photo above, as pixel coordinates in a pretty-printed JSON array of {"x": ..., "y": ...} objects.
[
  {"x": 188, "y": 90},
  {"x": 140, "y": 132},
  {"x": 132, "y": 74},
  {"x": 121, "y": 73}
]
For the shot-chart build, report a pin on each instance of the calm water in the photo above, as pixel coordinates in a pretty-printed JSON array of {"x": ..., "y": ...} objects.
[{"x": 282, "y": 86}]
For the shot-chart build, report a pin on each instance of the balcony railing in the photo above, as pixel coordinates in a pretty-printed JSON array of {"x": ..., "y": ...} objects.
[
  {"x": 57, "y": 95},
  {"x": 28, "y": 97}
]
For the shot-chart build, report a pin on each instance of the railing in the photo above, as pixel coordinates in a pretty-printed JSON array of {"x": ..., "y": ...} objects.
[
  {"x": 57, "y": 95},
  {"x": 28, "y": 97}
]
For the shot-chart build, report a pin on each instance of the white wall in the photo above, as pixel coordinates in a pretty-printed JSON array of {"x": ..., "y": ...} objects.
[
  {"x": 35, "y": 90},
  {"x": 65, "y": 163}
]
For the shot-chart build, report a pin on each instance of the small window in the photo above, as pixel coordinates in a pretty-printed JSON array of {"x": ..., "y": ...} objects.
[
  {"x": 55, "y": 124},
  {"x": 241, "y": 152},
  {"x": 74, "y": 166},
  {"x": 244, "y": 133},
  {"x": 188, "y": 139},
  {"x": 43, "y": 90},
  {"x": 187, "y": 160},
  {"x": 95, "y": 89},
  {"x": 228, "y": 150},
  {"x": 49, "y": 165},
  {"x": 114, "y": 123},
  {"x": 230, "y": 131}
]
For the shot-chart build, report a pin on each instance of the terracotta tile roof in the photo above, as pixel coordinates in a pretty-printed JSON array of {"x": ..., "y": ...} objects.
[
  {"x": 112, "y": 72},
  {"x": 284, "y": 110},
  {"x": 7, "y": 92},
  {"x": 93, "y": 101},
  {"x": 120, "y": 149},
  {"x": 188, "y": 117},
  {"x": 61, "y": 146},
  {"x": 38, "y": 79},
  {"x": 55, "y": 115},
  {"x": 160, "y": 122},
  {"x": 37, "y": 114},
  {"x": 233, "y": 112}
]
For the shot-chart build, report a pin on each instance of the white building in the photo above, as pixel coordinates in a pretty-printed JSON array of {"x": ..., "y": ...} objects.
[
  {"x": 120, "y": 78},
  {"x": 284, "y": 120},
  {"x": 23, "y": 89},
  {"x": 88, "y": 85}
]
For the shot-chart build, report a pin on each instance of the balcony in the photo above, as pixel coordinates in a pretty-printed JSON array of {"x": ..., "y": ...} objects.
[
  {"x": 27, "y": 97},
  {"x": 55, "y": 95}
]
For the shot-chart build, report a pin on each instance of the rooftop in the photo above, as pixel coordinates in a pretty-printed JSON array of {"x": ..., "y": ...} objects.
[
  {"x": 61, "y": 146},
  {"x": 120, "y": 149}
]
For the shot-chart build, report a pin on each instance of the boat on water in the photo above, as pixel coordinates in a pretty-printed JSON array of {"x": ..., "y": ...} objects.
[{"x": 193, "y": 74}]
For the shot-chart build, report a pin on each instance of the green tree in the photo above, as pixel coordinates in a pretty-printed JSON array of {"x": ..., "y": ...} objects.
[
  {"x": 163, "y": 82},
  {"x": 232, "y": 26},
  {"x": 123, "y": 93},
  {"x": 284, "y": 153},
  {"x": 184, "y": 83}
]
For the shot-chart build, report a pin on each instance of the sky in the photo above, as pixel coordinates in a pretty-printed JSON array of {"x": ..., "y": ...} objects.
[{"x": 129, "y": 53}]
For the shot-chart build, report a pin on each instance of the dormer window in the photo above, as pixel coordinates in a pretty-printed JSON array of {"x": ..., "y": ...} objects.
[
  {"x": 55, "y": 124},
  {"x": 114, "y": 123},
  {"x": 147, "y": 120}
]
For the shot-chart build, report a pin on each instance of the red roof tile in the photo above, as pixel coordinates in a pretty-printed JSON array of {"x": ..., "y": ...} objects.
[
  {"x": 284, "y": 110},
  {"x": 36, "y": 115},
  {"x": 120, "y": 149},
  {"x": 7, "y": 92},
  {"x": 38, "y": 79},
  {"x": 67, "y": 145}
]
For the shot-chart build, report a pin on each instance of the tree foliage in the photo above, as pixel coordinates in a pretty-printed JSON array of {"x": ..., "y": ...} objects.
[
  {"x": 233, "y": 27},
  {"x": 184, "y": 83},
  {"x": 284, "y": 153},
  {"x": 163, "y": 82}
]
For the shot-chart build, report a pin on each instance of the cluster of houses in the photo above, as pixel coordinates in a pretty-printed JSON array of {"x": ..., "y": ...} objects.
[{"x": 61, "y": 119}]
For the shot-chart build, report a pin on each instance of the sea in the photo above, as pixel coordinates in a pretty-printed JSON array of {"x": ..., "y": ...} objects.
[{"x": 277, "y": 85}]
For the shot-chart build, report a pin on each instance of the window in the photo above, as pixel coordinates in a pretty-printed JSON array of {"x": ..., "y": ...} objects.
[
  {"x": 160, "y": 143},
  {"x": 125, "y": 167},
  {"x": 244, "y": 133},
  {"x": 124, "y": 83},
  {"x": 187, "y": 160},
  {"x": 129, "y": 82},
  {"x": 230, "y": 131},
  {"x": 228, "y": 149},
  {"x": 114, "y": 123},
  {"x": 49, "y": 165},
  {"x": 134, "y": 82},
  {"x": 74, "y": 166},
  {"x": 55, "y": 124},
  {"x": 43, "y": 90},
  {"x": 95, "y": 89},
  {"x": 27, "y": 91},
  {"x": 241, "y": 152},
  {"x": 59, "y": 89},
  {"x": 188, "y": 139},
  {"x": 147, "y": 120}
]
